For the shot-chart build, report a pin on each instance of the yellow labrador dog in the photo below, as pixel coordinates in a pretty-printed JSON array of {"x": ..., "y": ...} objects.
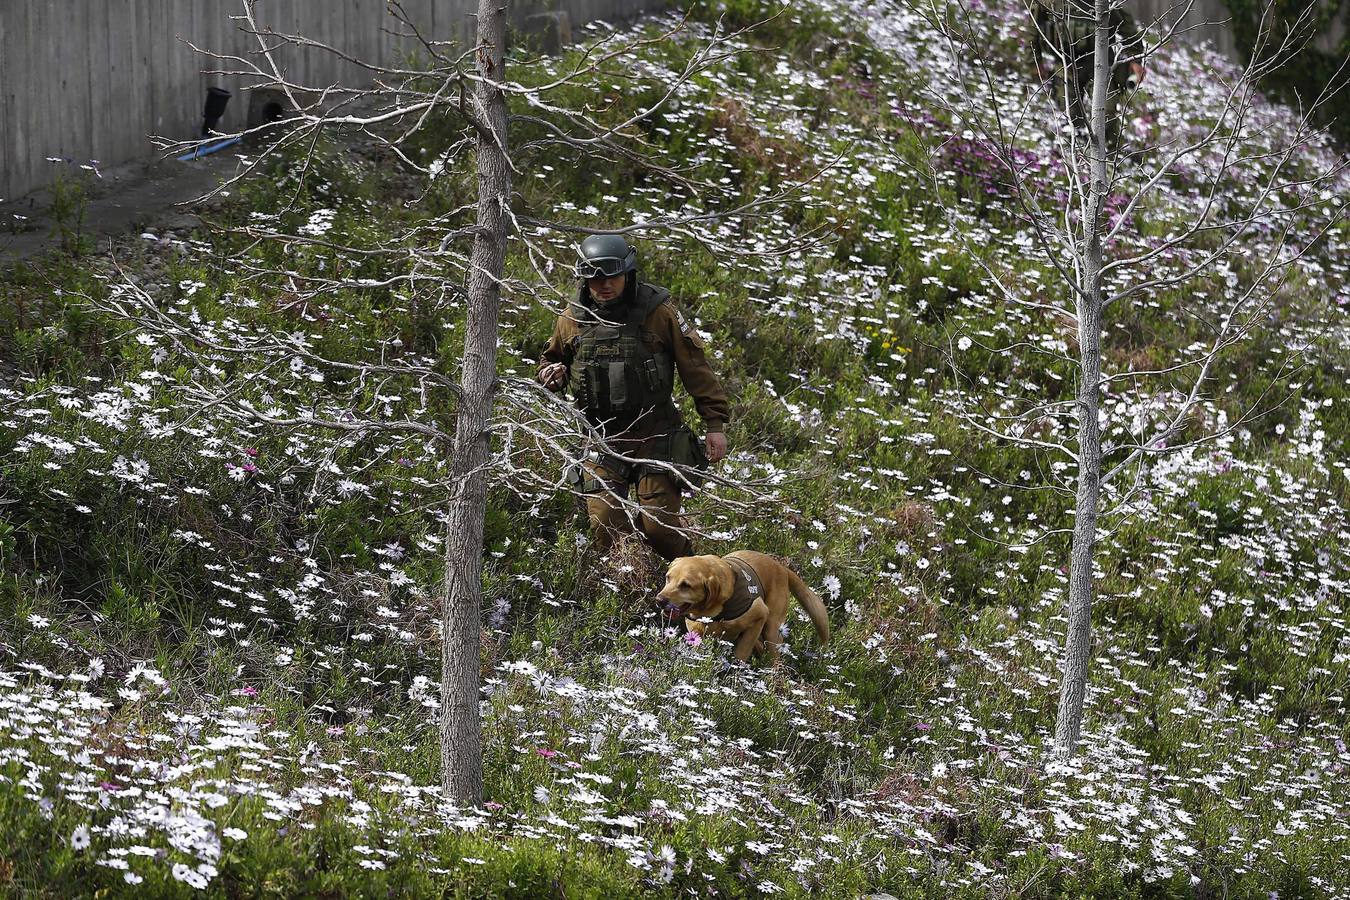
[{"x": 742, "y": 596}]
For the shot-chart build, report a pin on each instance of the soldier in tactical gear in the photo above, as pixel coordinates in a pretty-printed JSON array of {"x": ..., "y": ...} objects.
[
  {"x": 1063, "y": 47},
  {"x": 617, "y": 349}
]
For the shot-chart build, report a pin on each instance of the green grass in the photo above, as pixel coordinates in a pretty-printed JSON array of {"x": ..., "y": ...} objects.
[{"x": 905, "y": 759}]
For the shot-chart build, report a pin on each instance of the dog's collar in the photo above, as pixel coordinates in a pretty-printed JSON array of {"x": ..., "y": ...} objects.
[{"x": 746, "y": 591}]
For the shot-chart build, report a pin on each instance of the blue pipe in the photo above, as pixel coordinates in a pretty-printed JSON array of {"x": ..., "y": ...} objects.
[{"x": 204, "y": 151}]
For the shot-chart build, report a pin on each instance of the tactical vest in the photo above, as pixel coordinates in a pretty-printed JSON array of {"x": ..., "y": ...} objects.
[
  {"x": 744, "y": 593},
  {"x": 614, "y": 375}
]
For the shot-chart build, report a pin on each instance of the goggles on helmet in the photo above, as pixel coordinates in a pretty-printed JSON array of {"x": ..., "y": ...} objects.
[{"x": 600, "y": 267}]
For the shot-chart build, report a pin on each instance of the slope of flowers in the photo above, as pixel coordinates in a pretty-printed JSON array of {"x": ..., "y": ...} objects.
[{"x": 218, "y": 663}]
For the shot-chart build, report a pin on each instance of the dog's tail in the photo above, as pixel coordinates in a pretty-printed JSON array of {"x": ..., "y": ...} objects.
[{"x": 811, "y": 602}]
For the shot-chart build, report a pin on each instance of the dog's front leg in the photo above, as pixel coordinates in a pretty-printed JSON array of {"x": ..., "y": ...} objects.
[{"x": 746, "y": 642}]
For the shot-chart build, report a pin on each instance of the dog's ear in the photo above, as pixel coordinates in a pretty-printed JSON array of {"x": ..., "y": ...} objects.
[
  {"x": 712, "y": 592},
  {"x": 719, "y": 582}
]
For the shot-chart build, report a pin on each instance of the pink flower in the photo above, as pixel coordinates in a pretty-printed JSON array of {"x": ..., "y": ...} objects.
[
  {"x": 546, "y": 753},
  {"x": 247, "y": 690},
  {"x": 924, "y": 726},
  {"x": 693, "y": 639},
  {"x": 335, "y": 731},
  {"x": 250, "y": 468},
  {"x": 251, "y": 451}
]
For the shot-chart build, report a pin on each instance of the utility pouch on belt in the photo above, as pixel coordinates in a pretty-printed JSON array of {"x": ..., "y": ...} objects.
[
  {"x": 579, "y": 479},
  {"x": 574, "y": 476},
  {"x": 687, "y": 450}
]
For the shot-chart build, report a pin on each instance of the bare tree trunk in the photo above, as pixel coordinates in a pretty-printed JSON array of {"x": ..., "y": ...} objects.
[
  {"x": 1082, "y": 588},
  {"x": 461, "y": 601}
]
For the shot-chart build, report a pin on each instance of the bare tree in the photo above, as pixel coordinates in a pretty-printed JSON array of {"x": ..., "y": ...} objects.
[
  {"x": 461, "y": 745},
  {"x": 503, "y": 425},
  {"x": 1084, "y": 242}
]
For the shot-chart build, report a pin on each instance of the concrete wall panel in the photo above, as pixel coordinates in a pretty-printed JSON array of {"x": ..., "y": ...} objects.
[
  {"x": 94, "y": 79},
  {"x": 1205, "y": 21}
]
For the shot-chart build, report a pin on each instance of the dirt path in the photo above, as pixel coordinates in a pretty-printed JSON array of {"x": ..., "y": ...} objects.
[{"x": 137, "y": 195}]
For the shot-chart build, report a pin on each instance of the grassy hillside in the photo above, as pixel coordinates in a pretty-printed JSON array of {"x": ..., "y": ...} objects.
[{"x": 219, "y": 656}]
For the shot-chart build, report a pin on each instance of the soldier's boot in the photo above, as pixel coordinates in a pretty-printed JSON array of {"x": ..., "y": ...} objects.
[{"x": 661, "y": 523}]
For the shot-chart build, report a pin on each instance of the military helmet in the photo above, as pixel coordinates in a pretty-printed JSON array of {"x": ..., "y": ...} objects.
[{"x": 604, "y": 256}]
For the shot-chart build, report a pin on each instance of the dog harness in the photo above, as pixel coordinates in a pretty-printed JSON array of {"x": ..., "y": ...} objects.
[{"x": 746, "y": 591}]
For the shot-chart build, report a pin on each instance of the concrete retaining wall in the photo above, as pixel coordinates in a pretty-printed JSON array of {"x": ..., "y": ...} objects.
[
  {"x": 92, "y": 79},
  {"x": 1207, "y": 20}
]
